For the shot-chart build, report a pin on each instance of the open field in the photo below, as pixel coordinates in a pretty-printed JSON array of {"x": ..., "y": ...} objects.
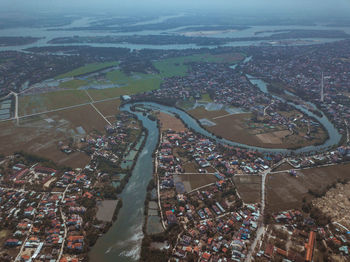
[
  {"x": 232, "y": 127},
  {"x": 168, "y": 121},
  {"x": 190, "y": 167},
  {"x": 106, "y": 210},
  {"x": 286, "y": 192},
  {"x": 193, "y": 181},
  {"x": 73, "y": 84},
  {"x": 137, "y": 86},
  {"x": 282, "y": 167},
  {"x": 38, "y": 139},
  {"x": 273, "y": 137},
  {"x": 108, "y": 108},
  {"x": 87, "y": 69},
  {"x": 201, "y": 112},
  {"x": 49, "y": 101},
  {"x": 240, "y": 128},
  {"x": 177, "y": 66},
  {"x": 206, "y": 98},
  {"x": 249, "y": 188},
  {"x": 41, "y": 134}
]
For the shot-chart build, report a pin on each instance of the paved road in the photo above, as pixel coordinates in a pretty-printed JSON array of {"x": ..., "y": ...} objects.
[{"x": 261, "y": 227}]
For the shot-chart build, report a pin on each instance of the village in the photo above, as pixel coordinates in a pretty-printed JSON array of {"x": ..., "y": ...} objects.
[
  {"x": 320, "y": 77},
  {"x": 51, "y": 212},
  {"x": 197, "y": 195},
  {"x": 55, "y": 213},
  {"x": 270, "y": 119}
]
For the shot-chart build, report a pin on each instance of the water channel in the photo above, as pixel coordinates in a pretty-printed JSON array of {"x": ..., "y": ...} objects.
[{"x": 123, "y": 240}]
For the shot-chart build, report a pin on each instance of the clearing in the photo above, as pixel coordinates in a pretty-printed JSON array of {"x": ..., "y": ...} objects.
[
  {"x": 284, "y": 192},
  {"x": 249, "y": 188},
  {"x": 89, "y": 68},
  {"x": 106, "y": 210},
  {"x": 168, "y": 121},
  {"x": 193, "y": 181}
]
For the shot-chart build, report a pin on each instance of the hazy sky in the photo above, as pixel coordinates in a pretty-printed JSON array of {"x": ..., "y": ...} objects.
[{"x": 312, "y": 7}]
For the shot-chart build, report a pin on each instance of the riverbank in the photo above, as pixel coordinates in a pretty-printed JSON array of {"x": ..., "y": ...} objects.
[{"x": 123, "y": 241}]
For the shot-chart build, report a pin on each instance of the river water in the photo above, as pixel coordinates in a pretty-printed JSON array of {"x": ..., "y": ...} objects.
[
  {"x": 46, "y": 34},
  {"x": 123, "y": 240}
]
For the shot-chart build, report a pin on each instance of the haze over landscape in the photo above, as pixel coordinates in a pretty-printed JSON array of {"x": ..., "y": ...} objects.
[{"x": 149, "y": 130}]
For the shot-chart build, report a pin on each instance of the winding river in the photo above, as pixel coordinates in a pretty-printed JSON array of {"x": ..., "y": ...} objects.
[{"x": 123, "y": 241}]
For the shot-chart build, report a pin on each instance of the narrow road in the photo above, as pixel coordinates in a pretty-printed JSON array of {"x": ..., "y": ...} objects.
[
  {"x": 261, "y": 227},
  {"x": 98, "y": 111},
  {"x": 87, "y": 93},
  {"x": 218, "y": 117}
]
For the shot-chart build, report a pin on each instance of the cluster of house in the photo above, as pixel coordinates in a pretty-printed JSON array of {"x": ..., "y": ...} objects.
[
  {"x": 337, "y": 155},
  {"x": 35, "y": 175},
  {"x": 110, "y": 145},
  {"x": 45, "y": 225},
  {"x": 301, "y": 239},
  {"x": 226, "y": 237},
  {"x": 217, "y": 225},
  {"x": 302, "y": 70},
  {"x": 48, "y": 224},
  {"x": 228, "y": 88},
  {"x": 208, "y": 156}
]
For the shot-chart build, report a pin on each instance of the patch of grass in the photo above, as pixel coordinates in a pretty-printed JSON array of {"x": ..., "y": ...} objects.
[
  {"x": 206, "y": 98},
  {"x": 117, "y": 76},
  {"x": 177, "y": 66},
  {"x": 134, "y": 87},
  {"x": 186, "y": 105},
  {"x": 49, "y": 101},
  {"x": 87, "y": 69},
  {"x": 73, "y": 84}
]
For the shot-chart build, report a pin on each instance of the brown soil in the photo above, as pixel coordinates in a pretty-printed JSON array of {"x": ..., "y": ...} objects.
[
  {"x": 41, "y": 134},
  {"x": 200, "y": 113},
  {"x": 249, "y": 188},
  {"x": 284, "y": 192},
  {"x": 197, "y": 180},
  {"x": 170, "y": 122},
  {"x": 283, "y": 167},
  {"x": 109, "y": 108},
  {"x": 233, "y": 127}
]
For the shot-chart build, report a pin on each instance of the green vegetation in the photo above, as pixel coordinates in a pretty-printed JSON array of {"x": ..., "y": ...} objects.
[
  {"x": 133, "y": 87},
  {"x": 73, "y": 84},
  {"x": 117, "y": 76},
  {"x": 186, "y": 105},
  {"x": 206, "y": 98},
  {"x": 125, "y": 84},
  {"x": 49, "y": 101},
  {"x": 87, "y": 69},
  {"x": 177, "y": 66}
]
